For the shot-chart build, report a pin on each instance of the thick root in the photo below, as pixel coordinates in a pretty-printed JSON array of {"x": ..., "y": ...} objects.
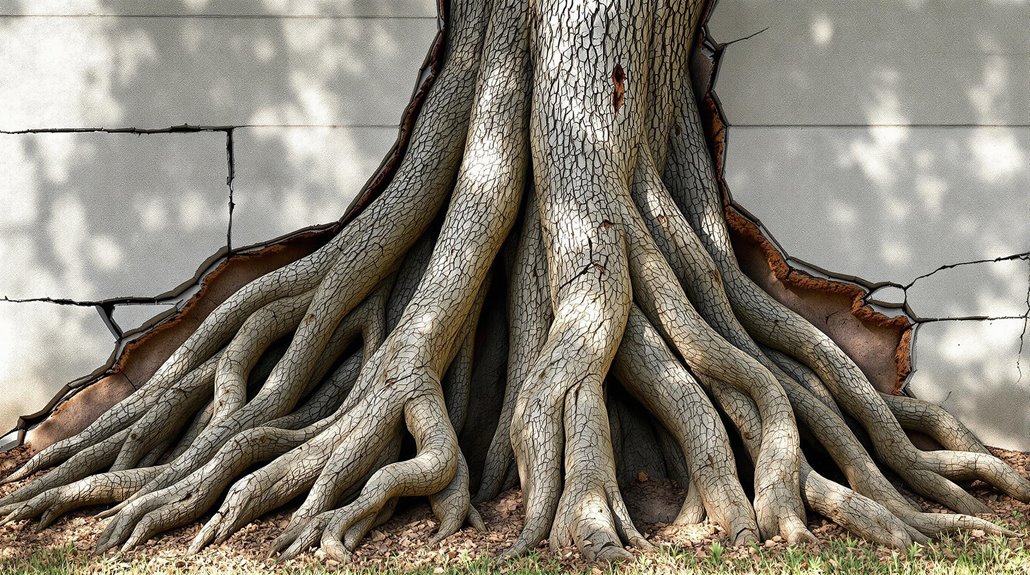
[
  {"x": 429, "y": 472},
  {"x": 591, "y": 513},
  {"x": 918, "y": 415},
  {"x": 87, "y": 461},
  {"x": 93, "y": 490},
  {"x": 529, "y": 317},
  {"x": 453, "y": 506},
  {"x": 160, "y": 422},
  {"x": 648, "y": 370},
  {"x": 622, "y": 273},
  {"x": 187, "y": 500}
]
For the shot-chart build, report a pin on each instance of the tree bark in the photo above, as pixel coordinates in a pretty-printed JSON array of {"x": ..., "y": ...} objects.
[{"x": 559, "y": 161}]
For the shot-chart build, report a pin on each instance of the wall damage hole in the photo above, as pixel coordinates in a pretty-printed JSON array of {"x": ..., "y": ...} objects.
[{"x": 619, "y": 81}]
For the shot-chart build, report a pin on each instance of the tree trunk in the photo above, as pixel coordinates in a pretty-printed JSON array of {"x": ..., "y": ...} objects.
[{"x": 558, "y": 168}]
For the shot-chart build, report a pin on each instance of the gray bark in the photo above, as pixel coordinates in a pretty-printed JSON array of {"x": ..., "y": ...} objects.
[{"x": 560, "y": 155}]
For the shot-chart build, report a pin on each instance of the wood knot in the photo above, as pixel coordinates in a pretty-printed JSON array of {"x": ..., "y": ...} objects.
[{"x": 619, "y": 81}]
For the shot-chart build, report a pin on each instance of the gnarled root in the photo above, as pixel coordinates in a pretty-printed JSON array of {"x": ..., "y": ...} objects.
[{"x": 306, "y": 382}]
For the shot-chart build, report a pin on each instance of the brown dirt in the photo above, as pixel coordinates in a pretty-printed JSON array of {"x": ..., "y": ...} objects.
[{"x": 402, "y": 540}]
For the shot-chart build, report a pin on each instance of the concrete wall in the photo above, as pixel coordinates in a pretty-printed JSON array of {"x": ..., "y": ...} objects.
[
  {"x": 314, "y": 89},
  {"x": 877, "y": 139},
  {"x": 888, "y": 139}
]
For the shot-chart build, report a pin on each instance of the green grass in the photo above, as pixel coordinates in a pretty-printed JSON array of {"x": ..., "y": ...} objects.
[{"x": 960, "y": 555}]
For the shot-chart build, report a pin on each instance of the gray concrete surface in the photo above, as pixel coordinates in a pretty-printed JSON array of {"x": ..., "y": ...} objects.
[
  {"x": 98, "y": 216},
  {"x": 202, "y": 8},
  {"x": 42, "y": 347},
  {"x": 87, "y": 216},
  {"x": 875, "y": 62},
  {"x": 884, "y": 140},
  {"x": 289, "y": 178},
  {"x": 215, "y": 71}
]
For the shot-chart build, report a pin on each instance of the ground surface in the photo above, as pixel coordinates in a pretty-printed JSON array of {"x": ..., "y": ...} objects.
[{"x": 400, "y": 544}]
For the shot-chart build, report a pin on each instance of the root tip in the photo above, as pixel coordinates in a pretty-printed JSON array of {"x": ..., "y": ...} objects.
[{"x": 476, "y": 520}]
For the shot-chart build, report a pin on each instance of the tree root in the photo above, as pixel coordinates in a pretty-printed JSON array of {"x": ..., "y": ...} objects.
[{"x": 307, "y": 382}]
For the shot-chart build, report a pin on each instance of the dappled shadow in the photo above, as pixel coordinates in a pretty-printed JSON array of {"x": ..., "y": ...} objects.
[
  {"x": 978, "y": 372},
  {"x": 884, "y": 142},
  {"x": 311, "y": 103}
]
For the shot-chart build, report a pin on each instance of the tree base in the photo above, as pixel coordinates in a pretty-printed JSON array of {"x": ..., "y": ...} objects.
[{"x": 550, "y": 269}]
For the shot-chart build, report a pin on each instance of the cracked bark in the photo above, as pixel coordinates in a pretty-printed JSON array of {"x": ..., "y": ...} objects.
[{"x": 581, "y": 116}]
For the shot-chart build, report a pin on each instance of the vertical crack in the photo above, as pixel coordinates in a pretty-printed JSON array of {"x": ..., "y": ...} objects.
[
  {"x": 230, "y": 176},
  {"x": 1022, "y": 334}
]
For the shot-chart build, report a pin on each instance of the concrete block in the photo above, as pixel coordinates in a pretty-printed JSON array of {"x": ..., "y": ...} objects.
[
  {"x": 157, "y": 72},
  {"x": 875, "y": 62},
  {"x": 889, "y": 295},
  {"x": 94, "y": 216},
  {"x": 289, "y": 178},
  {"x": 975, "y": 369},
  {"x": 886, "y": 203},
  {"x": 42, "y": 347},
  {"x": 992, "y": 289}
]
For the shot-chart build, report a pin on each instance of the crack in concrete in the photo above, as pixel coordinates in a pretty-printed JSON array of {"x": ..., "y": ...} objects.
[
  {"x": 230, "y": 155},
  {"x": 907, "y": 308},
  {"x": 110, "y": 302},
  {"x": 1019, "y": 256},
  {"x": 107, "y": 316},
  {"x": 1022, "y": 334},
  {"x": 922, "y": 320},
  {"x": 104, "y": 307},
  {"x": 725, "y": 45},
  {"x": 181, "y": 129},
  {"x": 802, "y": 266},
  {"x": 872, "y": 287}
]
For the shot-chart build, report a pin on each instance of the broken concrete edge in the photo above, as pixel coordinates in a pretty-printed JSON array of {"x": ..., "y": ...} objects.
[
  {"x": 138, "y": 355},
  {"x": 788, "y": 284},
  {"x": 141, "y": 351},
  {"x": 82, "y": 401},
  {"x": 888, "y": 365}
]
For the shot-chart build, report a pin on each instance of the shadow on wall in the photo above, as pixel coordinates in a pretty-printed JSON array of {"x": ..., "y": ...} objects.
[
  {"x": 884, "y": 140},
  {"x": 977, "y": 370},
  {"x": 91, "y": 216}
]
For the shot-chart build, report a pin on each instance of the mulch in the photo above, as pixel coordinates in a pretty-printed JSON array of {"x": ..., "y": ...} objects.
[{"x": 402, "y": 540}]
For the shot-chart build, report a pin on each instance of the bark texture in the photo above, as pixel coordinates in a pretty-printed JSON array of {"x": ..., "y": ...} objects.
[{"x": 558, "y": 170}]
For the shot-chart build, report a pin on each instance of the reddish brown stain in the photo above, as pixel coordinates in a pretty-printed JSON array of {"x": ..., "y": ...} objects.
[
  {"x": 619, "y": 81},
  {"x": 884, "y": 343},
  {"x": 879, "y": 345}
]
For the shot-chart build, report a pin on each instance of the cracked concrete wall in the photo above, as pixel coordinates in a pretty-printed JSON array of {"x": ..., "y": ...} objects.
[
  {"x": 890, "y": 142},
  {"x": 139, "y": 142},
  {"x": 897, "y": 130}
]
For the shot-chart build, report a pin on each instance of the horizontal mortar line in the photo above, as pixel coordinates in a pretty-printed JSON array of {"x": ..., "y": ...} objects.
[
  {"x": 884, "y": 125},
  {"x": 184, "y": 129},
  {"x": 318, "y": 126},
  {"x": 232, "y": 16}
]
